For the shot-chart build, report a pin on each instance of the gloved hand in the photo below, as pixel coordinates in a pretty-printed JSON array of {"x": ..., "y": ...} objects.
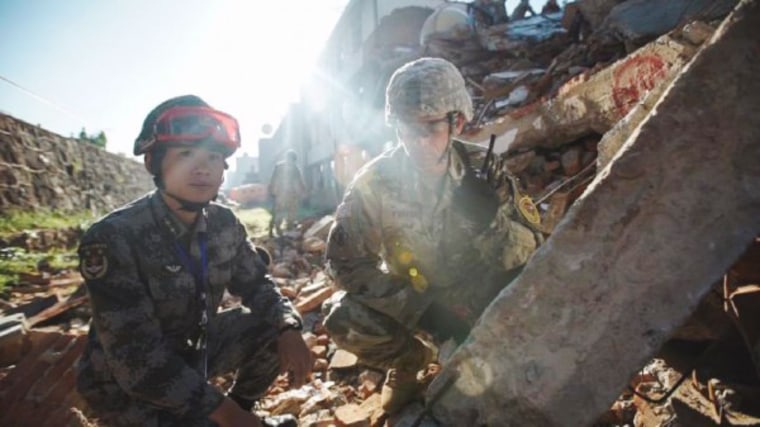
[{"x": 443, "y": 323}]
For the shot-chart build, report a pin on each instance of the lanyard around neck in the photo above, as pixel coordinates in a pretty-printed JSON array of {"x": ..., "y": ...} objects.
[{"x": 199, "y": 272}]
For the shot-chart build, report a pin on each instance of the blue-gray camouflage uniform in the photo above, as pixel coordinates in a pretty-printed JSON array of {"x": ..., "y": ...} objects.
[
  {"x": 412, "y": 254},
  {"x": 142, "y": 365}
]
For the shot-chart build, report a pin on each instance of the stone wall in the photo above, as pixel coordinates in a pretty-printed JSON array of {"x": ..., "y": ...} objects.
[{"x": 41, "y": 169}]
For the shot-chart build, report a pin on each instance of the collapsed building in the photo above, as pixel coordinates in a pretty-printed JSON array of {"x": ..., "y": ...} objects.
[
  {"x": 564, "y": 100},
  {"x": 632, "y": 124}
]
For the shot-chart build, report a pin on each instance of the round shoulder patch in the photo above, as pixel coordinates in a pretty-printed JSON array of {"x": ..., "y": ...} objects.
[
  {"x": 528, "y": 210},
  {"x": 93, "y": 261}
]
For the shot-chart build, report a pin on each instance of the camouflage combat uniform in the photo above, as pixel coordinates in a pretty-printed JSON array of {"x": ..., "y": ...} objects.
[
  {"x": 141, "y": 365},
  {"x": 287, "y": 189},
  {"x": 402, "y": 250}
]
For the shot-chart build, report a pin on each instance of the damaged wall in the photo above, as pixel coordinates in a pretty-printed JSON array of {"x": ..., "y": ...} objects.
[{"x": 43, "y": 169}]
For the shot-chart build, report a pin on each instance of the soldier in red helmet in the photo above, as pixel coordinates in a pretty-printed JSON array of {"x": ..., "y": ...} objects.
[{"x": 156, "y": 270}]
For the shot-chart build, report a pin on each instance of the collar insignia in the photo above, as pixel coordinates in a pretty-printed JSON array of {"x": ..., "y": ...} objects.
[{"x": 173, "y": 268}]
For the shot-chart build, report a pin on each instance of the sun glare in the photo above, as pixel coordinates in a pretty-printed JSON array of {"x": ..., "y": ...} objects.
[{"x": 262, "y": 53}]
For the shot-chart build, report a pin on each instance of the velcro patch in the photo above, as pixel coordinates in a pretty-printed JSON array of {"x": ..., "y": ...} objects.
[{"x": 93, "y": 261}]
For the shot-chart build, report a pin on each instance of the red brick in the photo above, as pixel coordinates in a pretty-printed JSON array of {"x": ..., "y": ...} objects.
[{"x": 40, "y": 391}]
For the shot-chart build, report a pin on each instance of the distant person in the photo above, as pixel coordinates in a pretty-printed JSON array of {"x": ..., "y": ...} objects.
[
  {"x": 156, "y": 270},
  {"x": 551, "y": 6},
  {"x": 286, "y": 190},
  {"x": 522, "y": 10}
]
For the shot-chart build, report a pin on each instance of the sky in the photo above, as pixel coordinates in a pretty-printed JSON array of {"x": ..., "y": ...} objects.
[{"x": 103, "y": 65}]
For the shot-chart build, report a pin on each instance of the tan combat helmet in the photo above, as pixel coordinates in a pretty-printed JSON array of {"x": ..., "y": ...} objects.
[{"x": 426, "y": 87}]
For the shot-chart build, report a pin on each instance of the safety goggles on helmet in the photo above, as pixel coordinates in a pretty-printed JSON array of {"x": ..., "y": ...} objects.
[
  {"x": 423, "y": 128},
  {"x": 189, "y": 124}
]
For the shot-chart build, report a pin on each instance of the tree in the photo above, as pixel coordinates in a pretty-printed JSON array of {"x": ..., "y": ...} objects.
[{"x": 99, "y": 140}]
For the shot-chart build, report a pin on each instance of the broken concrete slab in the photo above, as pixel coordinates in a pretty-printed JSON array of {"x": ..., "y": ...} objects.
[
  {"x": 635, "y": 20},
  {"x": 35, "y": 306},
  {"x": 589, "y": 104},
  {"x": 13, "y": 330},
  {"x": 58, "y": 308},
  {"x": 622, "y": 130},
  {"x": 662, "y": 223}
]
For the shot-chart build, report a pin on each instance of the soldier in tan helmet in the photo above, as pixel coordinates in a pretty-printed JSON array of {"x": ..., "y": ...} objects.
[
  {"x": 417, "y": 244},
  {"x": 286, "y": 190}
]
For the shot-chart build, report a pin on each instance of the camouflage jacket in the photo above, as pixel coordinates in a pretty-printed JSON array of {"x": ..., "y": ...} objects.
[
  {"x": 397, "y": 241},
  {"x": 145, "y": 302}
]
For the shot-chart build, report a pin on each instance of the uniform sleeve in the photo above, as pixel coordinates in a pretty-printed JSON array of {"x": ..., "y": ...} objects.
[
  {"x": 251, "y": 282},
  {"x": 123, "y": 315},
  {"x": 353, "y": 258}
]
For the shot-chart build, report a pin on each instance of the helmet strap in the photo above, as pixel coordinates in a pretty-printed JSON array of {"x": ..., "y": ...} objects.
[{"x": 452, "y": 118}]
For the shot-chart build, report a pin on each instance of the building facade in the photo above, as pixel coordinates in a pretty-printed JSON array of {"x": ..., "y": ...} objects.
[{"x": 338, "y": 125}]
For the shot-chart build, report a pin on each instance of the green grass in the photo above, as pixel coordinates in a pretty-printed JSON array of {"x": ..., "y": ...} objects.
[
  {"x": 17, "y": 221},
  {"x": 256, "y": 221},
  {"x": 14, "y": 261}
]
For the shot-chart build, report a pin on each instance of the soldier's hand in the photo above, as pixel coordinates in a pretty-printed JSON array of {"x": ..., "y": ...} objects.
[{"x": 295, "y": 357}]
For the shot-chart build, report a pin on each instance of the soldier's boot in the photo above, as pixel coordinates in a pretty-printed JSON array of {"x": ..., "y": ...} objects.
[{"x": 407, "y": 381}]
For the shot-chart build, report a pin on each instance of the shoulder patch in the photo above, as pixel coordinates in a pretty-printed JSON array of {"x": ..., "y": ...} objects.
[
  {"x": 528, "y": 210},
  {"x": 93, "y": 261}
]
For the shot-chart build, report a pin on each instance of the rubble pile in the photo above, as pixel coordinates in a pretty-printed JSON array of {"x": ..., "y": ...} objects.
[
  {"x": 340, "y": 391},
  {"x": 527, "y": 62},
  {"x": 537, "y": 312},
  {"x": 550, "y": 86}
]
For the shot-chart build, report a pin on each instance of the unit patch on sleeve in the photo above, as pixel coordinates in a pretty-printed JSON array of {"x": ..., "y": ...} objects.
[{"x": 93, "y": 261}]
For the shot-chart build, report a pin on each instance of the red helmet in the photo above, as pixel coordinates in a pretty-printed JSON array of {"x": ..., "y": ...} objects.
[{"x": 188, "y": 120}]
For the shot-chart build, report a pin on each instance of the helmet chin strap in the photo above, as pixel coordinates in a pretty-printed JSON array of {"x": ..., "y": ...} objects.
[
  {"x": 187, "y": 205},
  {"x": 452, "y": 122}
]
